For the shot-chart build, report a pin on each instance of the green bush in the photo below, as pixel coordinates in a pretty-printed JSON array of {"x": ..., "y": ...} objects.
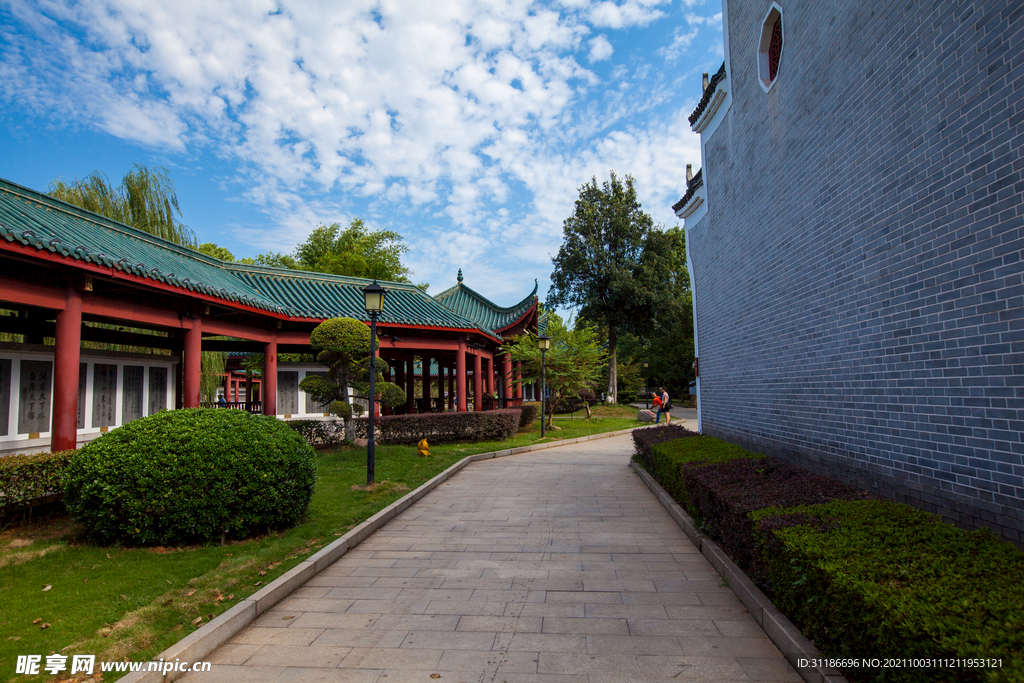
[
  {"x": 188, "y": 476},
  {"x": 26, "y": 479},
  {"x": 528, "y": 415},
  {"x": 880, "y": 577}
]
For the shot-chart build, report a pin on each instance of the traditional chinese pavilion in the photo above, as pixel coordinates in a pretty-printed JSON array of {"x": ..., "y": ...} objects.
[{"x": 69, "y": 276}]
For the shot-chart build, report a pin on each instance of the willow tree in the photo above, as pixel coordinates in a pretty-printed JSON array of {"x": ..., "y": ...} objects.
[{"x": 145, "y": 199}]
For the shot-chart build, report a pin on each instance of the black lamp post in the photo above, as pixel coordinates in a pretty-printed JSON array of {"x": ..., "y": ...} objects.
[
  {"x": 647, "y": 389},
  {"x": 543, "y": 343},
  {"x": 373, "y": 295}
]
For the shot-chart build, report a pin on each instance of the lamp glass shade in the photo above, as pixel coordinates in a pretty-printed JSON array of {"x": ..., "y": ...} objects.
[
  {"x": 373, "y": 295},
  {"x": 645, "y": 365},
  {"x": 544, "y": 342}
]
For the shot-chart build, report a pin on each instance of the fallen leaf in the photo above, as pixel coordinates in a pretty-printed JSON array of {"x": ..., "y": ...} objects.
[
  {"x": 47, "y": 587},
  {"x": 44, "y": 625},
  {"x": 36, "y": 621},
  {"x": 257, "y": 583},
  {"x": 435, "y": 675},
  {"x": 14, "y": 638},
  {"x": 291, "y": 616},
  {"x": 85, "y": 580},
  {"x": 231, "y": 596},
  {"x": 124, "y": 598},
  {"x": 263, "y": 573},
  {"x": 190, "y": 593},
  {"x": 197, "y": 620}
]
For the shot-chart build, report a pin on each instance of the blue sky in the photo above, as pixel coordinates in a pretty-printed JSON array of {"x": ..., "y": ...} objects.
[{"x": 466, "y": 126}]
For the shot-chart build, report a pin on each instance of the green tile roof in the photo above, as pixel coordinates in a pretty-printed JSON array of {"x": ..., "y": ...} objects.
[
  {"x": 481, "y": 310},
  {"x": 39, "y": 221}
]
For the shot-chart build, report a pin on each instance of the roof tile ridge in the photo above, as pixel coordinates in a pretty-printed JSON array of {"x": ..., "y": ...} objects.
[{"x": 31, "y": 195}]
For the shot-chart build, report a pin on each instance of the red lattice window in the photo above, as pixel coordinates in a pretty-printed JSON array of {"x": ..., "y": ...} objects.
[{"x": 775, "y": 49}]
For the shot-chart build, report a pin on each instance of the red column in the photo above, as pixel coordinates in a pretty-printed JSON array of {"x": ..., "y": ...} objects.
[
  {"x": 64, "y": 417},
  {"x": 460, "y": 376},
  {"x": 193, "y": 363},
  {"x": 426, "y": 384},
  {"x": 478, "y": 384},
  {"x": 269, "y": 389},
  {"x": 506, "y": 377},
  {"x": 519, "y": 379}
]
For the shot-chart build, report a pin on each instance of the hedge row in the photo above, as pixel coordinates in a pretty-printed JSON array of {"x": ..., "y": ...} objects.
[
  {"x": 855, "y": 575},
  {"x": 878, "y": 576},
  {"x": 443, "y": 427},
  {"x": 319, "y": 432},
  {"x": 26, "y": 479},
  {"x": 644, "y": 440}
]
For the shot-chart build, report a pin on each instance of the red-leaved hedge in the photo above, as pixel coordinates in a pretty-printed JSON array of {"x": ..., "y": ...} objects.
[
  {"x": 723, "y": 495},
  {"x": 443, "y": 427}
]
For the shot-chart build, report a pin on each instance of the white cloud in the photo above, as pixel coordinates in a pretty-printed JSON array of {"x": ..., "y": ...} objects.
[
  {"x": 444, "y": 113},
  {"x": 600, "y": 49},
  {"x": 681, "y": 40},
  {"x": 630, "y": 13}
]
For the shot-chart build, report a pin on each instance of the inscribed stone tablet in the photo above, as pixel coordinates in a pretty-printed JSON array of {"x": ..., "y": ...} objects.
[{"x": 34, "y": 407}]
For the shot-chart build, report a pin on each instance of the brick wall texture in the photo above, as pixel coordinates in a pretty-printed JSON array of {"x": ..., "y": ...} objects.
[{"x": 858, "y": 277}]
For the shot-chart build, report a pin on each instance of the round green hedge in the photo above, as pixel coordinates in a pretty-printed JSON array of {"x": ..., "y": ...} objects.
[{"x": 189, "y": 476}]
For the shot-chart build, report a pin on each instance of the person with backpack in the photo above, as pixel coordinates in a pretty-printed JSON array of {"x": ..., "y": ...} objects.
[{"x": 666, "y": 406}]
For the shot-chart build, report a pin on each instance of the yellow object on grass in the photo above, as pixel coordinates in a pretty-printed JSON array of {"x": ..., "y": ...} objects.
[{"x": 423, "y": 448}]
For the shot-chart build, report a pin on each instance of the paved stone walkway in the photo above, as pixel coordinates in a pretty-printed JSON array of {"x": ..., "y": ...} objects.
[{"x": 556, "y": 567}]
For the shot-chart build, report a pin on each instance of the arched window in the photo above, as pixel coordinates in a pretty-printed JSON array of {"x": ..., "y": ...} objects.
[{"x": 769, "y": 52}]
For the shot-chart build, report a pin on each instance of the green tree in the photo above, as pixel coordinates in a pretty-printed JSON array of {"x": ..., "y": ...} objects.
[
  {"x": 343, "y": 346},
  {"x": 211, "y": 249},
  {"x": 145, "y": 199},
  {"x": 572, "y": 365},
  {"x": 356, "y": 251},
  {"x": 602, "y": 267}
]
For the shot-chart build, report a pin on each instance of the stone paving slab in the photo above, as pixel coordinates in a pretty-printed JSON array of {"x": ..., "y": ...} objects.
[{"x": 558, "y": 566}]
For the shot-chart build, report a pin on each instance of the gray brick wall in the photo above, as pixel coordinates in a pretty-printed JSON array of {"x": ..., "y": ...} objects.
[{"x": 858, "y": 276}]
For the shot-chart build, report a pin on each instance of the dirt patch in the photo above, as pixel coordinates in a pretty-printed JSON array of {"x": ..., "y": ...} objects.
[
  {"x": 381, "y": 487},
  {"x": 12, "y": 559}
]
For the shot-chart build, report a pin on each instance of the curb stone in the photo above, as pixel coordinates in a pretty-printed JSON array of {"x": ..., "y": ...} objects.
[
  {"x": 779, "y": 629},
  {"x": 204, "y": 640}
]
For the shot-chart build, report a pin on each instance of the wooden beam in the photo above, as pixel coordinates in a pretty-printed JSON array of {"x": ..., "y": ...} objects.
[{"x": 32, "y": 294}]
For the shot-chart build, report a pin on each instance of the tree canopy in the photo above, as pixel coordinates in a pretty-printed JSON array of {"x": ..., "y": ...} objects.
[
  {"x": 606, "y": 266},
  {"x": 355, "y": 250},
  {"x": 145, "y": 199}
]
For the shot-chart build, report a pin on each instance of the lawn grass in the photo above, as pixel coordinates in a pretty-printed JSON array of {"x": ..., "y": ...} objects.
[{"x": 133, "y": 603}]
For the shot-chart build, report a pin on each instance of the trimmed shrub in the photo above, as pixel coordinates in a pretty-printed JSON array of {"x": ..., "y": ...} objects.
[
  {"x": 722, "y": 494},
  {"x": 645, "y": 439},
  {"x": 881, "y": 577},
  {"x": 319, "y": 432},
  {"x": 27, "y": 479},
  {"x": 442, "y": 427},
  {"x": 529, "y": 414},
  {"x": 188, "y": 476}
]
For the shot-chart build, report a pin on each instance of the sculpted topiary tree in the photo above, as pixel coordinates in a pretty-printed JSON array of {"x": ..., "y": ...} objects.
[{"x": 343, "y": 345}]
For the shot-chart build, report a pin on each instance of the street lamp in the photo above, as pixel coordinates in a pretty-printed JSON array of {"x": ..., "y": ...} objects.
[
  {"x": 543, "y": 343},
  {"x": 373, "y": 296},
  {"x": 647, "y": 389}
]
